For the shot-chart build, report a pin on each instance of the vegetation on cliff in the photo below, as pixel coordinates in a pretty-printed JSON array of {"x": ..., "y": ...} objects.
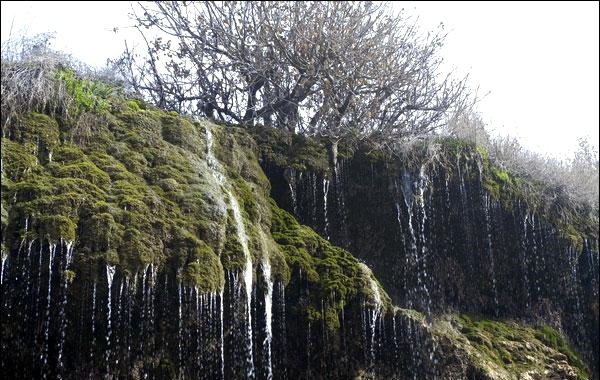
[{"x": 131, "y": 185}]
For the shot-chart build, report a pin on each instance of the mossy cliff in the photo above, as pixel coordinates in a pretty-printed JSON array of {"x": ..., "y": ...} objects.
[
  {"x": 446, "y": 229},
  {"x": 126, "y": 237}
]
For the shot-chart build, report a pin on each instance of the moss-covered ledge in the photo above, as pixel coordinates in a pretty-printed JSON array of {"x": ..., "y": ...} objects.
[{"x": 508, "y": 350}]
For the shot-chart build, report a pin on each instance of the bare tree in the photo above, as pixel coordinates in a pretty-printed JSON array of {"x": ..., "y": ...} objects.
[{"x": 337, "y": 69}]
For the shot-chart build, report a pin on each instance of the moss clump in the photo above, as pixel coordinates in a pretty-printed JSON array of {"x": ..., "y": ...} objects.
[
  {"x": 108, "y": 196},
  {"x": 203, "y": 269},
  {"x": 287, "y": 149},
  {"x": 505, "y": 349},
  {"x": 69, "y": 276},
  {"x": 38, "y": 132},
  {"x": 552, "y": 338},
  {"x": 330, "y": 270}
]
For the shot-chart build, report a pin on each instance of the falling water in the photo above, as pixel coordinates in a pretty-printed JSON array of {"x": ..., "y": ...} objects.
[
  {"x": 413, "y": 259},
  {"x": 4, "y": 257},
  {"x": 592, "y": 267},
  {"x": 395, "y": 339},
  {"x": 486, "y": 210},
  {"x": 52, "y": 248},
  {"x": 222, "y": 336},
  {"x": 110, "y": 272},
  {"x": 341, "y": 202},
  {"x": 144, "y": 305},
  {"x": 371, "y": 315},
  {"x": 63, "y": 322},
  {"x": 180, "y": 330},
  {"x": 421, "y": 200},
  {"x": 573, "y": 261},
  {"x": 536, "y": 267},
  {"x": 325, "y": 192},
  {"x": 268, "y": 314},
  {"x": 524, "y": 263},
  {"x": 375, "y": 313},
  {"x": 290, "y": 176},
  {"x": 247, "y": 274},
  {"x": 151, "y": 290},
  {"x": 243, "y": 238},
  {"x": 93, "y": 345},
  {"x": 313, "y": 181}
]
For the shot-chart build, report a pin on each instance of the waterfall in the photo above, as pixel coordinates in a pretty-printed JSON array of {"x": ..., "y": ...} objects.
[
  {"x": 179, "y": 329},
  {"x": 290, "y": 176},
  {"x": 93, "y": 345},
  {"x": 524, "y": 264},
  {"x": 313, "y": 181},
  {"x": 52, "y": 248},
  {"x": 536, "y": 264},
  {"x": 341, "y": 202},
  {"x": 39, "y": 283},
  {"x": 485, "y": 198},
  {"x": 247, "y": 273},
  {"x": 325, "y": 192},
  {"x": 4, "y": 257},
  {"x": 268, "y": 314},
  {"x": 424, "y": 253},
  {"x": 110, "y": 272},
  {"x": 143, "y": 308},
  {"x": 574, "y": 282},
  {"x": 63, "y": 322},
  {"x": 395, "y": 339},
  {"x": 371, "y": 314},
  {"x": 416, "y": 259},
  {"x": 222, "y": 336}
]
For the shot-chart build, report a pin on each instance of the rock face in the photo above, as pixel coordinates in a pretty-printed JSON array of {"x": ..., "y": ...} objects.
[
  {"x": 444, "y": 229},
  {"x": 143, "y": 245}
]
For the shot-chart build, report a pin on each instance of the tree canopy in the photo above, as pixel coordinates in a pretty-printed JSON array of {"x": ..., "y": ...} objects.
[{"x": 353, "y": 70}]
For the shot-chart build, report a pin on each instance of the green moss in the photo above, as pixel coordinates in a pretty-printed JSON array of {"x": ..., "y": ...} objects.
[
  {"x": 509, "y": 348},
  {"x": 18, "y": 160},
  {"x": 332, "y": 322},
  {"x": 180, "y": 132},
  {"x": 330, "y": 270},
  {"x": 553, "y": 339},
  {"x": 56, "y": 227},
  {"x": 233, "y": 257},
  {"x": 501, "y": 175},
  {"x": 40, "y": 130},
  {"x": 134, "y": 105},
  {"x": 201, "y": 266},
  {"x": 69, "y": 275},
  {"x": 287, "y": 149}
]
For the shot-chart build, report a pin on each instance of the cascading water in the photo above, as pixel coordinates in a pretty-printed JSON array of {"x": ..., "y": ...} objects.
[
  {"x": 326, "y": 220},
  {"x": 341, "y": 202},
  {"x": 179, "y": 328},
  {"x": 63, "y": 323},
  {"x": 266, "y": 265},
  {"x": 4, "y": 257},
  {"x": 313, "y": 182},
  {"x": 222, "y": 335},
  {"x": 525, "y": 264},
  {"x": 290, "y": 176},
  {"x": 486, "y": 211},
  {"x": 536, "y": 261},
  {"x": 93, "y": 325},
  {"x": 247, "y": 272},
  {"x": 375, "y": 313},
  {"x": 110, "y": 273},
  {"x": 415, "y": 258},
  {"x": 52, "y": 250}
]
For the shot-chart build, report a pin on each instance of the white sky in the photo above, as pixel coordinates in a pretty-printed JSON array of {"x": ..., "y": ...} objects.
[{"x": 538, "y": 60}]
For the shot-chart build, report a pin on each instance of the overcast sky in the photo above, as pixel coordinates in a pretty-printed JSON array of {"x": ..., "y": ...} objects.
[{"x": 538, "y": 60}]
